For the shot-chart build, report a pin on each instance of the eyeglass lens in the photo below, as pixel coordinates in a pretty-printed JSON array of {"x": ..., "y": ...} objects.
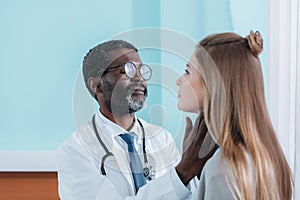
[{"x": 130, "y": 70}]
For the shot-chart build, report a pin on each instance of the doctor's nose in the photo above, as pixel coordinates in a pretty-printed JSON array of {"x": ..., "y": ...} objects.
[{"x": 138, "y": 77}]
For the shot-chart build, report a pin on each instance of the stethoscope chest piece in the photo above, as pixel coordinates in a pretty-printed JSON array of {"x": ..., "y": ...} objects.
[{"x": 149, "y": 173}]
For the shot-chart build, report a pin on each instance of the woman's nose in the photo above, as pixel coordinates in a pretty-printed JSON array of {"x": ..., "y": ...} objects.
[{"x": 178, "y": 81}]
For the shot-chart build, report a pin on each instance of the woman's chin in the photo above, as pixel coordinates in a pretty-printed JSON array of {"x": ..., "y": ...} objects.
[
  {"x": 189, "y": 110},
  {"x": 179, "y": 106}
]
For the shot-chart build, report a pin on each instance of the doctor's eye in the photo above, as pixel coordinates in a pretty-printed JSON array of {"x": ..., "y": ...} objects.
[{"x": 122, "y": 70}]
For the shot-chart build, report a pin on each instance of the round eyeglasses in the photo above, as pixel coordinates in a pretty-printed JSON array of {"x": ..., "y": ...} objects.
[{"x": 131, "y": 70}]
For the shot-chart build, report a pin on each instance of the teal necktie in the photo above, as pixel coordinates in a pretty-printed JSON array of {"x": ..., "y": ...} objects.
[{"x": 135, "y": 162}]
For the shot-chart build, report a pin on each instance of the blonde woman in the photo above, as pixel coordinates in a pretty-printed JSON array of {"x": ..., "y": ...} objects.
[{"x": 223, "y": 80}]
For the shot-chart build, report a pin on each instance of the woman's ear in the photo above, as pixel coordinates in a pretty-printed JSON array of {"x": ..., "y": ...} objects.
[{"x": 95, "y": 84}]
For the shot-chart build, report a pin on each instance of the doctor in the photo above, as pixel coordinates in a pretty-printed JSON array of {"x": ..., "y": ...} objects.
[{"x": 116, "y": 155}]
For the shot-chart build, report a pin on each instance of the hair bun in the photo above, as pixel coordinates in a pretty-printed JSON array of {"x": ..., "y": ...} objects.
[{"x": 255, "y": 42}]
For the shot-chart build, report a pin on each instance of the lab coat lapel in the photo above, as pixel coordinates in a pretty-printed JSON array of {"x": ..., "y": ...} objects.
[
  {"x": 124, "y": 167},
  {"x": 118, "y": 161}
]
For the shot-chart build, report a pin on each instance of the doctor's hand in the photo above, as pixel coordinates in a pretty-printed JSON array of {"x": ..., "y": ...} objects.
[{"x": 198, "y": 147}]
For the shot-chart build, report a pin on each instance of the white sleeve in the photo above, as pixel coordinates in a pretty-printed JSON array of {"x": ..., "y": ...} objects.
[
  {"x": 79, "y": 179},
  {"x": 167, "y": 187}
]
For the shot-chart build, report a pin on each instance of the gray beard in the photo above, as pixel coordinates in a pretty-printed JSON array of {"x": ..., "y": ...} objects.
[
  {"x": 134, "y": 105},
  {"x": 117, "y": 102}
]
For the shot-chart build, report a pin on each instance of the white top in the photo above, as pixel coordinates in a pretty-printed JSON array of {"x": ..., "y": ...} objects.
[
  {"x": 79, "y": 162},
  {"x": 213, "y": 184}
]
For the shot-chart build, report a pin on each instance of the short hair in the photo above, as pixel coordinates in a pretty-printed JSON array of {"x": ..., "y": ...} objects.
[{"x": 96, "y": 60}]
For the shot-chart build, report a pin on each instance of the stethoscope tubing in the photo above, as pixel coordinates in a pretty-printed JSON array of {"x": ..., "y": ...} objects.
[{"x": 108, "y": 153}]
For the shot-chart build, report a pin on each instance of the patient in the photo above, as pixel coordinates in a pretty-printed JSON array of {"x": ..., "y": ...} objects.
[{"x": 223, "y": 80}]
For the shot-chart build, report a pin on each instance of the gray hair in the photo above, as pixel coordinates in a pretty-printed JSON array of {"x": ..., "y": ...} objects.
[{"x": 96, "y": 60}]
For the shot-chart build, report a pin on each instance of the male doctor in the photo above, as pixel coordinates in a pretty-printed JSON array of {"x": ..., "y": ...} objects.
[{"x": 115, "y": 155}]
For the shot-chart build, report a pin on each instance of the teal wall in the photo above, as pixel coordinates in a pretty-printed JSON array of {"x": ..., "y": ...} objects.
[{"x": 43, "y": 98}]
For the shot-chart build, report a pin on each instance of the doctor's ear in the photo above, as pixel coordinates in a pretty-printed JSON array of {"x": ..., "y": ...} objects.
[{"x": 95, "y": 84}]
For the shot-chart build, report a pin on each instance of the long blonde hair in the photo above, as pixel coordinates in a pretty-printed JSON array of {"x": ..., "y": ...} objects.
[{"x": 237, "y": 117}]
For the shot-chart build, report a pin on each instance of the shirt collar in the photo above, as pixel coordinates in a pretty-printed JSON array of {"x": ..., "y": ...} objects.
[{"x": 115, "y": 129}]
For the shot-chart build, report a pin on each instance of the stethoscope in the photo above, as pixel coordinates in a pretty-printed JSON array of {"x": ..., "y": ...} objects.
[{"x": 149, "y": 171}]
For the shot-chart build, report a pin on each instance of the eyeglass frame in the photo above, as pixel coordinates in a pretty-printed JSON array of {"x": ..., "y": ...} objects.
[{"x": 123, "y": 65}]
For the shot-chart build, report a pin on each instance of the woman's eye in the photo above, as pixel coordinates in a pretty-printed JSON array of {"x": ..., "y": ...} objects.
[{"x": 186, "y": 71}]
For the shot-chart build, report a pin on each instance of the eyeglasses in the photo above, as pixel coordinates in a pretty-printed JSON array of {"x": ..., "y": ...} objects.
[{"x": 131, "y": 70}]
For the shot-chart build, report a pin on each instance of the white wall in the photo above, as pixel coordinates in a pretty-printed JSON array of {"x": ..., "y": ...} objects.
[{"x": 284, "y": 79}]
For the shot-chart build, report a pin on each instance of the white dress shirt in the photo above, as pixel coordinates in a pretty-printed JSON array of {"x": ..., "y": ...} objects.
[{"x": 79, "y": 161}]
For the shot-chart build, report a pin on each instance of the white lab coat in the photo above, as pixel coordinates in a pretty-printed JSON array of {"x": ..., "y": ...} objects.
[{"x": 79, "y": 161}]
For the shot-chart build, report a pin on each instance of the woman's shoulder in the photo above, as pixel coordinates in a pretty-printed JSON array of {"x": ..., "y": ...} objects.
[
  {"x": 213, "y": 165},
  {"x": 213, "y": 184}
]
